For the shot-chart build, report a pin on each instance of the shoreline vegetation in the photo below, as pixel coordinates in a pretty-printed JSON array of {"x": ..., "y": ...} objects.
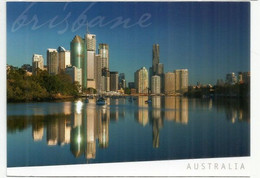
[{"x": 22, "y": 87}]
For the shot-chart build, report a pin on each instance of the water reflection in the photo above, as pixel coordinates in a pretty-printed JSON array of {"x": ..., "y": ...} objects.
[{"x": 86, "y": 126}]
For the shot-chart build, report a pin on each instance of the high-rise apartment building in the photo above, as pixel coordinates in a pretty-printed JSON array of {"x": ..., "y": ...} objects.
[
  {"x": 52, "y": 61},
  {"x": 169, "y": 83},
  {"x": 156, "y": 84},
  {"x": 37, "y": 63},
  {"x": 114, "y": 81},
  {"x": 141, "y": 80},
  {"x": 63, "y": 58},
  {"x": 181, "y": 81}
]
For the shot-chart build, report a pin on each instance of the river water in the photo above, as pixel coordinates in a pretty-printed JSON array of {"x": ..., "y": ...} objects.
[{"x": 168, "y": 128}]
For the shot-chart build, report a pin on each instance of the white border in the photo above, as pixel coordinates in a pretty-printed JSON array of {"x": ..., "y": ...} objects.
[
  {"x": 153, "y": 168},
  {"x": 3, "y": 89}
]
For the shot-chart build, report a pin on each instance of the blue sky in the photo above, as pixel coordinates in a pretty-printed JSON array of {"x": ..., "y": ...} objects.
[{"x": 208, "y": 38}]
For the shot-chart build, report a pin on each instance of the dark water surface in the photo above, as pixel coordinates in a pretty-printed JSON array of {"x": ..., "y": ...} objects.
[{"x": 75, "y": 132}]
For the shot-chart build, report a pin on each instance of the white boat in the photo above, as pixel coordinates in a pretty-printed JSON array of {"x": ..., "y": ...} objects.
[{"x": 101, "y": 101}]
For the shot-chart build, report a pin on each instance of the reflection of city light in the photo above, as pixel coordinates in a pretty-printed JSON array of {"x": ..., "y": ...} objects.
[
  {"x": 79, "y": 105},
  {"x": 79, "y": 139},
  {"x": 79, "y": 49}
]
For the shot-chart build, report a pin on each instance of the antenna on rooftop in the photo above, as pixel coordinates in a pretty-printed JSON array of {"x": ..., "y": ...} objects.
[{"x": 87, "y": 28}]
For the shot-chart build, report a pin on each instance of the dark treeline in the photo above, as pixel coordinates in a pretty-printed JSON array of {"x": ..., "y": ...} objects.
[
  {"x": 237, "y": 91},
  {"x": 43, "y": 86}
]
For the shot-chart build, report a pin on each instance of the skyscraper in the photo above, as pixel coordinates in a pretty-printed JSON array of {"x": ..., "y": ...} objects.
[
  {"x": 77, "y": 57},
  {"x": 52, "y": 61},
  {"x": 114, "y": 81},
  {"x": 37, "y": 63},
  {"x": 63, "y": 58},
  {"x": 181, "y": 81},
  {"x": 156, "y": 84},
  {"x": 98, "y": 72},
  {"x": 121, "y": 80},
  {"x": 141, "y": 80},
  {"x": 91, "y": 42},
  {"x": 89, "y": 51},
  {"x": 105, "y": 80},
  {"x": 90, "y": 69},
  {"x": 169, "y": 83},
  {"x": 156, "y": 54},
  {"x": 103, "y": 50}
]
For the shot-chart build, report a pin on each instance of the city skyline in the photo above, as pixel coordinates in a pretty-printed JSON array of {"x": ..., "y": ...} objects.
[{"x": 205, "y": 38}]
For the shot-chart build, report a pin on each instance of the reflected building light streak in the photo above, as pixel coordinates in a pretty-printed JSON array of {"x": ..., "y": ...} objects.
[
  {"x": 170, "y": 108},
  {"x": 67, "y": 108},
  {"x": 52, "y": 132},
  {"x": 38, "y": 131}
]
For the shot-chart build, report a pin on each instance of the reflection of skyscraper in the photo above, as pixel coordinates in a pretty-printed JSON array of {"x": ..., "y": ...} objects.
[
  {"x": 142, "y": 113},
  {"x": 37, "y": 131},
  {"x": 156, "y": 104},
  {"x": 156, "y": 133},
  {"x": 52, "y": 132},
  {"x": 76, "y": 144},
  {"x": 170, "y": 107},
  {"x": 90, "y": 152},
  {"x": 52, "y": 61},
  {"x": 103, "y": 134},
  {"x": 184, "y": 111}
]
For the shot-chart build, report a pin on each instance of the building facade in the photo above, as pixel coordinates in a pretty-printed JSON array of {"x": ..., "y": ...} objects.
[
  {"x": 141, "y": 81},
  {"x": 181, "y": 80},
  {"x": 114, "y": 81},
  {"x": 52, "y": 61},
  {"x": 169, "y": 83},
  {"x": 156, "y": 84},
  {"x": 37, "y": 63},
  {"x": 103, "y": 51},
  {"x": 63, "y": 58},
  {"x": 156, "y": 57},
  {"x": 75, "y": 74},
  {"x": 231, "y": 79}
]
